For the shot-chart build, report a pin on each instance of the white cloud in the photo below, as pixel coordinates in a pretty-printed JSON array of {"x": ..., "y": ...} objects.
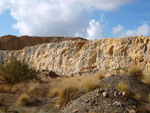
[
  {"x": 106, "y": 5},
  {"x": 116, "y": 30},
  {"x": 95, "y": 30},
  {"x": 57, "y": 17},
  {"x": 141, "y": 30}
]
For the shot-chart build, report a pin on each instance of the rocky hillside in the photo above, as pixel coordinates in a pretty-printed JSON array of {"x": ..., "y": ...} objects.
[{"x": 76, "y": 56}]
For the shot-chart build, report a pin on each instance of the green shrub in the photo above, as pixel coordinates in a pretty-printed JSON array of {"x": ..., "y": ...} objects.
[{"x": 15, "y": 71}]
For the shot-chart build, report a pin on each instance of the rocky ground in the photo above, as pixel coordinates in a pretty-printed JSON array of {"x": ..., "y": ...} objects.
[
  {"x": 41, "y": 105},
  {"x": 106, "y": 99}
]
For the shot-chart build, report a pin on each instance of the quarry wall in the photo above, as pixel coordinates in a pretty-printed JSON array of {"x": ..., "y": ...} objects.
[{"x": 82, "y": 57}]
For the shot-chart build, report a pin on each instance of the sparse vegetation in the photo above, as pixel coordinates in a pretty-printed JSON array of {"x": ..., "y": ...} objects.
[
  {"x": 23, "y": 100},
  {"x": 15, "y": 71},
  {"x": 54, "y": 93},
  {"x": 146, "y": 79},
  {"x": 119, "y": 68},
  {"x": 72, "y": 87},
  {"x": 137, "y": 96},
  {"x": 136, "y": 72},
  {"x": 31, "y": 89},
  {"x": 100, "y": 75},
  {"x": 68, "y": 93},
  {"x": 90, "y": 84},
  {"x": 123, "y": 87}
]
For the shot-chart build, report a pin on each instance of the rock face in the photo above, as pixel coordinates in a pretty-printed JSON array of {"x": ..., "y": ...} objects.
[
  {"x": 10, "y": 42},
  {"x": 81, "y": 57}
]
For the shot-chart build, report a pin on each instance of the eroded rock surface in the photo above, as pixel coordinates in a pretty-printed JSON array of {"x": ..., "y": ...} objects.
[{"x": 81, "y": 57}]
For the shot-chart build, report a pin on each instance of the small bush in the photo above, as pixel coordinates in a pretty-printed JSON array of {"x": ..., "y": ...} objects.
[
  {"x": 23, "y": 100},
  {"x": 16, "y": 71},
  {"x": 136, "y": 72},
  {"x": 123, "y": 87},
  {"x": 137, "y": 96}
]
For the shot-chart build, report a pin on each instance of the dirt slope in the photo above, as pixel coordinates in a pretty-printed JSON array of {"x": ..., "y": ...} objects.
[{"x": 113, "y": 102}]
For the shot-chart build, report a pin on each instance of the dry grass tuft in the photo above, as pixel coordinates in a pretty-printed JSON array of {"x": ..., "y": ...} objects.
[
  {"x": 136, "y": 72},
  {"x": 137, "y": 96},
  {"x": 23, "y": 100},
  {"x": 68, "y": 93},
  {"x": 54, "y": 92},
  {"x": 146, "y": 79},
  {"x": 100, "y": 75},
  {"x": 123, "y": 87},
  {"x": 65, "y": 88},
  {"x": 90, "y": 83}
]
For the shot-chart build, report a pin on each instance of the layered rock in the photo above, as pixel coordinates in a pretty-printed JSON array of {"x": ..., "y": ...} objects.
[
  {"x": 10, "y": 42},
  {"x": 81, "y": 57}
]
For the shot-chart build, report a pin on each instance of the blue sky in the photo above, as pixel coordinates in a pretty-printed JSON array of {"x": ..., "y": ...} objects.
[{"x": 89, "y": 19}]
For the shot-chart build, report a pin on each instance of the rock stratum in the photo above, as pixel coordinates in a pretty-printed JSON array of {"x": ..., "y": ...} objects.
[
  {"x": 77, "y": 56},
  {"x": 10, "y": 42}
]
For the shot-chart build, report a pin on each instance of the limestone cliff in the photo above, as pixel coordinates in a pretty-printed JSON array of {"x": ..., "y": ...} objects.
[{"x": 80, "y": 57}]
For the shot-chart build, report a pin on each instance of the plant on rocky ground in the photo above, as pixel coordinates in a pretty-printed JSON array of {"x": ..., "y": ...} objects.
[
  {"x": 137, "y": 96},
  {"x": 54, "y": 92},
  {"x": 70, "y": 88},
  {"x": 68, "y": 93},
  {"x": 15, "y": 71},
  {"x": 23, "y": 100},
  {"x": 146, "y": 79},
  {"x": 123, "y": 87},
  {"x": 100, "y": 75},
  {"x": 136, "y": 72},
  {"x": 90, "y": 83},
  {"x": 119, "y": 68},
  {"x": 31, "y": 89}
]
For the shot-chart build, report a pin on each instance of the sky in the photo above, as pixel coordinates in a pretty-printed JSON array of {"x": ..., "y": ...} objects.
[{"x": 91, "y": 19}]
